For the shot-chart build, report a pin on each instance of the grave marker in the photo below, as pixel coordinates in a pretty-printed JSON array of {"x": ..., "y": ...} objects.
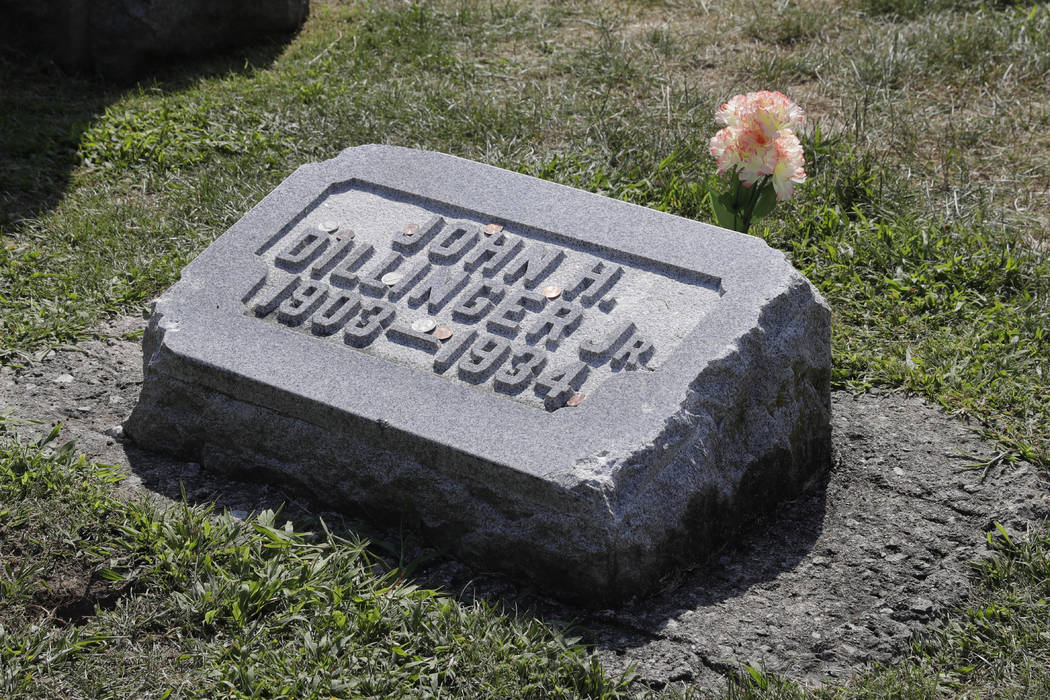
[{"x": 566, "y": 386}]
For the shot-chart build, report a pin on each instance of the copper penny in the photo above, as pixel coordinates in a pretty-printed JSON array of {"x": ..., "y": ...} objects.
[
  {"x": 492, "y": 228},
  {"x": 552, "y": 292},
  {"x": 443, "y": 333},
  {"x": 411, "y": 229},
  {"x": 575, "y": 400}
]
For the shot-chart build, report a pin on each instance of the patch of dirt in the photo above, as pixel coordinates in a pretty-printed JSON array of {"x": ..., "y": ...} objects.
[
  {"x": 840, "y": 578},
  {"x": 67, "y": 583},
  {"x": 72, "y": 593},
  {"x": 66, "y": 588},
  {"x": 845, "y": 576}
]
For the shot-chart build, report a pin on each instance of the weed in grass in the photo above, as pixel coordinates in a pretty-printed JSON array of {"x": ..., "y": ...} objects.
[{"x": 163, "y": 138}]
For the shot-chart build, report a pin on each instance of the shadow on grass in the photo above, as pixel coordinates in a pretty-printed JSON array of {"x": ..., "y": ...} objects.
[
  {"x": 773, "y": 544},
  {"x": 45, "y": 111}
]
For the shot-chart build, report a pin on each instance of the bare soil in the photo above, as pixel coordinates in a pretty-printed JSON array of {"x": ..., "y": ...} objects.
[{"x": 847, "y": 575}]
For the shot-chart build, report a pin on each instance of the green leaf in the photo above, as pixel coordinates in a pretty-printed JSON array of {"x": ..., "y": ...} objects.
[
  {"x": 1005, "y": 534},
  {"x": 767, "y": 199},
  {"x": 724, "y": 216},
  {"x": 110, "y": 575},
  {"x": 50, "y": 436},
  {"x": 758, "y": 679},
  {"x": 732, "y": 202},
  {"x": 666, "y": 162}
]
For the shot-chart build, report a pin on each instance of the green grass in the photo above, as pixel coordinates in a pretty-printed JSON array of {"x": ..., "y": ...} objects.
[
  {"x": 103, "y": 598},
  {"x": 924, "y": 223},
  {"x": 109, "y": 599}
]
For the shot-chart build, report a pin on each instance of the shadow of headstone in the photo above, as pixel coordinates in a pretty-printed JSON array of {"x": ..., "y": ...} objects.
[
  {"x": 124, "y": 39},
  {"x": 50, "y": 97}
]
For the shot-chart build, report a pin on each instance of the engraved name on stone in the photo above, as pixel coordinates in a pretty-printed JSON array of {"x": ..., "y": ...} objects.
[{"x": 367, "y": 284}]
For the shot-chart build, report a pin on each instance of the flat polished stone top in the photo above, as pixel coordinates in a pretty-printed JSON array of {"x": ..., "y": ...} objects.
[{"x": 520, "y": 321}]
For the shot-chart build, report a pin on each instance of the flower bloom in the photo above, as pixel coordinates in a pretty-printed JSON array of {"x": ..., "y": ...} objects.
[{"x": 759, "y": 139}]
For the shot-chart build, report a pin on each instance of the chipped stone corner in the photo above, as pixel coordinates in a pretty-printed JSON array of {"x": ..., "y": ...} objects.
[{"x": 753, "y": 430}]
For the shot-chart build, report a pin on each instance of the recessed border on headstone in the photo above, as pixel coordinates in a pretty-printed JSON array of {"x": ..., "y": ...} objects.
[{"x": 620, "y": 391}]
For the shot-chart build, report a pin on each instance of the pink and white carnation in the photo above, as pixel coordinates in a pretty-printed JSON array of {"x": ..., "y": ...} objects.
[
  {"x": 790, "y": 164},
  {"x": 759, "y": 140}
]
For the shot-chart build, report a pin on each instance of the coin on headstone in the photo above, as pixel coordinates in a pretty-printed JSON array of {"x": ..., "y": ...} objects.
[
  {"x": 552, "y": 292},
  {"x": 411, "y": 229},
  {"x": 492, "y": 228},
  {"x": 424, "y": 325},
  {"x": 575, "y": 400},
  {"x": 391, "y": 278},
  {"x": 443, "y": 333},
  {"x": 328, "y": 226}
]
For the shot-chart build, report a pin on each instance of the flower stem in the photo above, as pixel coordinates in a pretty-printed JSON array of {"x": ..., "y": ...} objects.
[
  {"x": 756, "y": 187},
  {"x": 738, "y": 203}
]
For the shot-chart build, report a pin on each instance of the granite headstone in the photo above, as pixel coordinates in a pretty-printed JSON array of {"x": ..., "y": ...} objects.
[
  {"x": 119, "y": 38},
  {"x": 563, "y": 386}
]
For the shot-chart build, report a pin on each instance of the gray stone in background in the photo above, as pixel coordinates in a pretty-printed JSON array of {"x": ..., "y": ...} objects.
[
  {"x": 117, "y": 38},
  {"x": 709, "y": 409}
]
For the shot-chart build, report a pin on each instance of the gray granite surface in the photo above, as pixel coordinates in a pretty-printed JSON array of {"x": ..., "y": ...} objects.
[{"x": 298, "y": 347}]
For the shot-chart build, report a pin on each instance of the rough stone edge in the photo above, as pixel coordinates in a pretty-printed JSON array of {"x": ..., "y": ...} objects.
[
  {"x": 779, "y": 381},
  {"x": 602, "y": 538},
  {"x": 679, "y": 496}
]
